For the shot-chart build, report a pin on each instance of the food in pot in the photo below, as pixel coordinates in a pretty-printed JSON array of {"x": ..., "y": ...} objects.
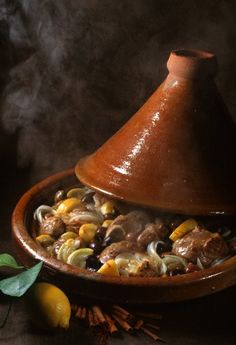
[{"x": 88, "y": 230}]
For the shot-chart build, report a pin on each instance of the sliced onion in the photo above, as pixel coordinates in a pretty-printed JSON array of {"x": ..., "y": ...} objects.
[
  {"x": 41, "y": 211},
  {"x": 151, "y": 250},
  {"x": 220, "y": 261},
  {"x": 78, "y": 216},
  {"x": 199, "y": 264},
  {"x": 227, "y": 233},
  {"x": 170, "y": 259},
  {"x": 91, "y": 207},
  {"x": 128, "y": 263}
]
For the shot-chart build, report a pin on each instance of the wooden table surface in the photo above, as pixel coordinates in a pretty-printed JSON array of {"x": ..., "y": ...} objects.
[{"x": 206, "y": 321}]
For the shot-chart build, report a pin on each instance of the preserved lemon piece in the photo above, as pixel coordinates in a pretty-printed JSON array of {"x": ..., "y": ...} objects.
[
  {"x": 48, "y": 306},
  {"x": 76, "y": 193},
  {"x": 87, "y": 231},
  {"x": 109, "y": 268},
  {"x": 67, "y": 248},
  {"x": 183, "y": 228},
  {"x": 68, "y": 205},
  {"x": 45, "y": 240},
  {"x": 79, "y": 256},
  {"x": 68, "y": 234}
]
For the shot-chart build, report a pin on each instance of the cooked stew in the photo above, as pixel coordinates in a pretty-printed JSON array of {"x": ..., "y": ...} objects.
[{"x": 88, "y": 230}]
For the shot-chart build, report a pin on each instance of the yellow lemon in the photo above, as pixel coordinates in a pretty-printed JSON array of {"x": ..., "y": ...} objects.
[
  {"x": 109, "y": 268},
  {"x": 79, "y": 256},
  {"x": 183, "y": 228},
  {"x": 48, "y": 306}
]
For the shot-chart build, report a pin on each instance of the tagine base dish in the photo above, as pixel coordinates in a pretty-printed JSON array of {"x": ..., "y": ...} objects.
[{"x": 133, "y": 290}]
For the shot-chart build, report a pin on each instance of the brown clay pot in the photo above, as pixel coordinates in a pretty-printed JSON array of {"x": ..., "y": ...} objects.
[
  {"x": 135, "y": 290},
  {"x": 177, "y": 153}
]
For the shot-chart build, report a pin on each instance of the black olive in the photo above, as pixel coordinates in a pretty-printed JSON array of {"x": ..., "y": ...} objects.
[
  {"x": 176, "y": 272},
  {"x": 163, "y": 247},
  {"x": 88, "y": 197},
  {"x": 107, "y": 241},
  {"x": 100, "y": 234},
  {"x": 224, "y": 231},
  {"x": 113, "y": 215},
  {"x": 176, "y": 222},
  {"x": 109, "y": 216},
  {"x": 96, "y": 246},
  {"x": 59, "y": 196},
  {"x": 93, "y": 263}
]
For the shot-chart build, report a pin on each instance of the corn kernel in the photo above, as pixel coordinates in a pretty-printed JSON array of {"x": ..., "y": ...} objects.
[
  {"x": 107, "y": 208},
  {"x": 106, "y": 223},
  {"x": 45, "y": 240},
  {"x": 68, "y": 205},
  {"x": 87, "y": 231}
]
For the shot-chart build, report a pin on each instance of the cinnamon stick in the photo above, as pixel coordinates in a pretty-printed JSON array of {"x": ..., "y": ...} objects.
[
  {"x": 138, "y": 324},
  {"x": 110, "y": 324},
  {"x": 99, "y": 314},
  {"x": 78, "y": 312},
  {"x": 90, "y": 318},
  {"x": 152, "y": 326},
  {"x": 122, "y": 323},
  {"x": 96, "y": 321},
  {"x": 151, "y": 334},
  {"x": 83, "y": 313},
  {"x": 121, "y": 310},
  {"x": 121, "y": 315}
]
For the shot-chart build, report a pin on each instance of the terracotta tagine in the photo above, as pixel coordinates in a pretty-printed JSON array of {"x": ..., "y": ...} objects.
[{"x": 177, "y": 153}]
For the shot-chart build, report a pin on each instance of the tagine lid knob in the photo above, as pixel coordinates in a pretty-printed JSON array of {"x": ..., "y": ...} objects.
[{"x": 192, "y": 64}]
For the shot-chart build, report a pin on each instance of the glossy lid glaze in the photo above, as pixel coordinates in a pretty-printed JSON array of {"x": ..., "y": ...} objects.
[{"x": 177, "y": 153}]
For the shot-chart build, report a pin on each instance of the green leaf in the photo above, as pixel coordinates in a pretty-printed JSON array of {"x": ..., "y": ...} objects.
[
  {"x": 16, "y": 286},
  {"x": 8, "y": 261}
]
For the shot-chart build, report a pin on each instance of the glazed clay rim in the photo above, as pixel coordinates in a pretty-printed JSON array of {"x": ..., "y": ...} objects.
[
  {"x": 22, "y": 235},
  {"x": 192, "y": 63},
  {"x": 193, "y": 54}
]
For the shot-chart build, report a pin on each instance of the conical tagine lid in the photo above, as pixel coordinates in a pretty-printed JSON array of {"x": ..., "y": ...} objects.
[{"x": 178, "y": 152}]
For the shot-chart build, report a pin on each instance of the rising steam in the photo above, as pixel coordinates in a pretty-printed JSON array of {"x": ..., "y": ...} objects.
[{"x": 88, "y": 65}]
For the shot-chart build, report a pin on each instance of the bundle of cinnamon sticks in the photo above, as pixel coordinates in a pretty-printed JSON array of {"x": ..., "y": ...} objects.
[{"x": 105, "y": 321}]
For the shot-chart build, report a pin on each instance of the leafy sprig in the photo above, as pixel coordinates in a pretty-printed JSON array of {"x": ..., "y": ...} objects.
[{"x": 17, "y": 285}]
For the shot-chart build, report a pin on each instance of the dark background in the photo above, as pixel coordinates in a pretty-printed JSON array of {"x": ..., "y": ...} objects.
[{"x": 73, "y": 71}]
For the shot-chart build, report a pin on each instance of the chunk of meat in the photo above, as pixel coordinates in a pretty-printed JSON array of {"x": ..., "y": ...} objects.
[
  {"x": 145, "y": 270},
  {"x": 127, "y": 226},
  {"x": 202, "y": 244},
  {"x": 117, "y": 248},
  {"x": 57, "y": 245},
  {"x": 53, "y": 226},
  {"x": 152, "y": 232},
  {"x": 149, "y": 234},
  {"x": 162, "y": 229}
]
